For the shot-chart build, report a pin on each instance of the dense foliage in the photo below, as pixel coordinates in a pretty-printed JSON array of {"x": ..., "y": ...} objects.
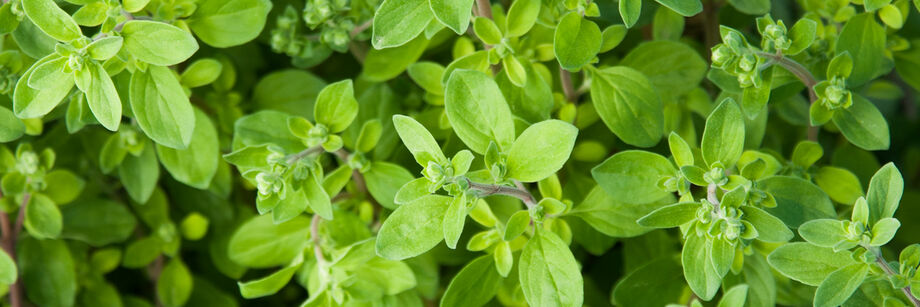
[{"x": 566, "y": 152}]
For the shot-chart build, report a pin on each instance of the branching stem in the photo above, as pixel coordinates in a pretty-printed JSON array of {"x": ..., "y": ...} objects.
[
  {"x": 518, "y": 192},
  {"x": 306, "y": 152},
  {"x": 882, "y": 263},
  {"x": 803, "y": 75}
]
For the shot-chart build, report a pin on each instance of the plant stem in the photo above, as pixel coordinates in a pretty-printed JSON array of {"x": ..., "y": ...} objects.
[
  {"x": 484, "y": 8},
  {"x": 880, "y": 260},
  {"x": 314, "y": 236},
  {"x": 804, "y": 75},
  {"x": 518, "y": 192},
  {"x": 9, "y": 246},
  {"x": 360, "y": 28},
  {"x": 713, "y": 198},
  {"x": 306, "y": 152},
  {"x": 565, "y": 77}
]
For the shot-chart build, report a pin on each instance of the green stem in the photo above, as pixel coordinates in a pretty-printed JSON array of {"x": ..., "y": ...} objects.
[
  {"x": 518, "y": 192},
  {"x": 882, "y": 263}
]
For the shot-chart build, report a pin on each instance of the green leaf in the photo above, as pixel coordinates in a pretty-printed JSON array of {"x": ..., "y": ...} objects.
[
  {"x": 385, "y": 64},
  {"x": 47, "y": 271},
  {"x": 769, "y": 227},
  {"x": 806, "y": 153},
  {"x": 455, "y": 14},
  {"x": 672, "y": 67},
  {"x": 260, "y": 243},
  {"x": 32, "y": 103},
  {"x": 533, "y": 101},
  {"x": 840, "y": 284},
  {"x": 514, "y": 70},
  {"x": 8, "y": 271},
  {"x": 680, "y": 150},
  {"x": 884, "y": 230},
  {"x": 32, "y": 40},
  {"x": 628, "y": 105},
  {"x": 412, "y": 190},
  {"x": 751, "y": 7},
  {"x": 384, "y": 180},
  {"x": 840, "y": 184},
  {"x": 197, "y": 164},
  {"x": 802, "y": 35},
  {"x": 670, "y": 216},
  {"x": 487, "y": 31},
  {"x": 521, "y": 17},
  {"x": 698, "y": 270},
  {"x": 687, "y": 8},
  {"x": 541, "y": 150},
  {"x": 722, "y": 255},
  {"x": 265, "y": 127},
  {"x": 102, "y": 97},
  {"x": 268, "y": 285},
  {"x": 105, "y": 48},
  {"x": 49, "y": 74},
  {"x": 11, "y": 128},
  {"x": 612, "y": 37},
  {"x": 140, "y": 174},
  {"x": 142, "y": 252},
  {"x": 736, "y": 296},
  {"x": 161, "y": 108},
  {"x": 892, "y": 16},
  {"x": 797, "y": 200},
  {"x": 454, "y": 219},
  {"x": 227, "y": 23},
  {"x": 823, "y": 232},
  {"x": 885, "y": 191},
  {"x": 174, "y": 285},
  {"x": 413, "y": 229},
  {"x": 864, "y": 39},
  {"x": 97, "y": 222},
  {"x": 418, "y": 140},
  {"x": 633, "y": 176},
  {"x": 576, "y": 41},
  {"x": 667, "y": 24},
  {"x": 657, "y": 283},
  {"x": 289, "y": 90},
  {"x": 201, "y": 72},
  {"x": 52, "y": 20},
  {"x": 158, "y": 43},
  {"x": 872, "y": 5},
  {"x": 43, "y": 218},
  {"x": 807, "y": 263},
  {"x": 397, "y": 22},
  {"x": 723, "y": 137},
  {"x": 630, "y": 11},
  {"x": 428, "y": 75},
  {"x": 474, "y": 285},
  {"x": 612, "y": 216},
  {"x": 336, "y": 106},
  {"x": 516, "y": 225},
  {"x": 863, "y": 125},
  {"x": 548, "y": 272},
  {"x": 477, "y": 111}
]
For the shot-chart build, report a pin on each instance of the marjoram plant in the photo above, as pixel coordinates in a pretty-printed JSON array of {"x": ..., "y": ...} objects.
[{"x": 413, "y": 153}]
